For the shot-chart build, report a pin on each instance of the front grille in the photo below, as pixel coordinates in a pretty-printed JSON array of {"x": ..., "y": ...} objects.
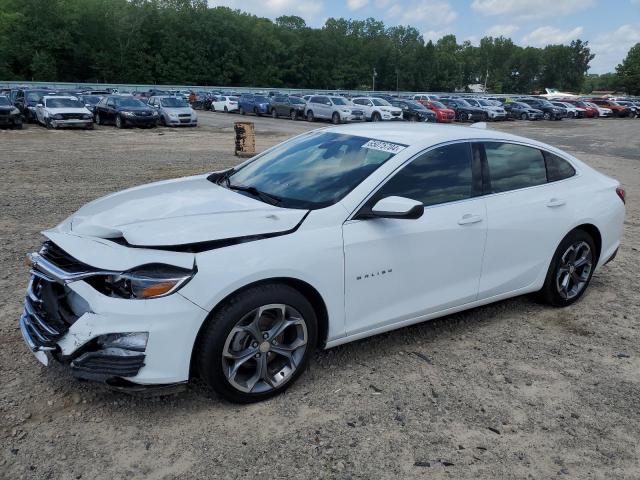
[
  {"x": 184, "y": 115},
  {"x": 72, "y": 116},
  {"x": 357, "y": 112},
  {"x": 62, "y": 259},
  {"x": 47, "y": 316},
  {"x": 142, "y": 114}
]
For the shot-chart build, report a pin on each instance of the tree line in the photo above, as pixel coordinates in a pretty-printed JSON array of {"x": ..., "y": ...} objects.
[{"x": 187, "y": 42}]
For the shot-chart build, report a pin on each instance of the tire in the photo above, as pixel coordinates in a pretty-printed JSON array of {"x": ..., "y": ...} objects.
[
  {"x": 546, "y": 116},
  {"x": 17, "y": 126},
  {"x": 310, "y": 117},
  {"x": 274, "y": 114},
  {"x": 119, "y": 123},
  {"x": 413, "y": 118},
  {"x": 256, "y": 112},
  {"x": 226, "y": 110},
  {"x": 163, "y": 122},
  {"x": 524, "y": 116},
  {"x": 98, "y": 119},
  {"x": 293, "y": 114},
  {"x": 566, "y": 268},
  {"x": 242, "y": 112},
  {"x": 47, "y": 123},
  {"x": 89, "y": 127},
  {"x": 335, "y": 118},
  {"x": 375, "y": 117},
  {"x": 213, "y": 107},
  {"x": 228, "y": 331},
  {"x": 485, "y": 117}
]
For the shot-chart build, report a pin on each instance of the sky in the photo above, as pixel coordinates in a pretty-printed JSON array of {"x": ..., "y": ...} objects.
[{"x": 610, "y": 26}]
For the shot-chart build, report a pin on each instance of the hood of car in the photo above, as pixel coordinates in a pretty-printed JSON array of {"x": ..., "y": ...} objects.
[
  {"x": 6, "y": 109},
  {"x": 135, "y": 109},
  {"x": 178, "y": 212},
  {"x": 53, "y": 111},
  {"x": 177, "y": 110}
]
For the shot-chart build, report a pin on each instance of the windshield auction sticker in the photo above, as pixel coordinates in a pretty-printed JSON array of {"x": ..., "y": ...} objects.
[{"x": 384, "y": 146}]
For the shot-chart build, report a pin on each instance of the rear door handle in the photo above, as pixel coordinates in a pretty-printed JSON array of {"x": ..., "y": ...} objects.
[
  {"x": 556, "y": 202},
  {"x": 468, "y": 219}
]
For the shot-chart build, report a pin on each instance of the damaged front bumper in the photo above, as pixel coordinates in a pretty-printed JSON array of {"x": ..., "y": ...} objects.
[{"x": 127, "y": 344}]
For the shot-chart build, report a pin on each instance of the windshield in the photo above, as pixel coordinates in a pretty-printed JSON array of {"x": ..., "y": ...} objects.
[
  {"x": 546, "y": 103},
  {"x": 486, "y": 103},
  {"x": 315, "y": 170},
  {"x": 4, "y": 101},
  {"x": 464, "y": 103},
  {"x": 297, "y": 101},
  {"x": 339, "y": 101},
  {"x": 416, "y": 105},
  {"x": 521, "y": 105},
  {"x": 91, "y": 99},
  {"x": 261, "y": 99},
  {"x": 63, "y": 103},
  {"x": 380, "y": 102},
  {"x": 174, "y": 102},
  {"x": 128, "y": 102},
  {"x": 438, "y": 105},
  {"x": 35, "y": 96}
]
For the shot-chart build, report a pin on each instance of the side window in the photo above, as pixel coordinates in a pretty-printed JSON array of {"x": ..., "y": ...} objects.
[
  {"x": 514, "y": 166},
  {"x": 438, "y": 176},
  {"x": 315, "y": 100},
  {"x": 557, "y": 168},
  {"x": 357, "y": 101}
]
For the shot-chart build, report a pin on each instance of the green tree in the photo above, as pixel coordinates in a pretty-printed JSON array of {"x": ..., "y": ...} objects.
[{"x": 628, "y": 71}]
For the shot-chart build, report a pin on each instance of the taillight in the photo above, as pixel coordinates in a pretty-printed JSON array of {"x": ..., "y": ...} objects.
[{"x": 622, "y": 194}]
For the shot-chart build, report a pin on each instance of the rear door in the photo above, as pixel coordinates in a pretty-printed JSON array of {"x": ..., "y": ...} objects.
[{"x": 527, "y": 214}]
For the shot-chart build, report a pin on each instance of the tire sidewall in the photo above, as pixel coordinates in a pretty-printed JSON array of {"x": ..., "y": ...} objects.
[{"x": 223, "y": 319}]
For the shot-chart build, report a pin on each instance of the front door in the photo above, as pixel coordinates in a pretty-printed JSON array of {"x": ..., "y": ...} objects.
[{"x": 401, "y": 269}]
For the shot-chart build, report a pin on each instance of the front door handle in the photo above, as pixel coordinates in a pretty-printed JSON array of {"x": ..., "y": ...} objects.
[
  {"x": 468, "y": 219},
  {"x": 556, "y": 202}
]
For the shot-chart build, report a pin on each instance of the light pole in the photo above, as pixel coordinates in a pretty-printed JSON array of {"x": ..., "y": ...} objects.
[
  {"x": 397, "y": 82},
  {"x": 373, "y": 80}
]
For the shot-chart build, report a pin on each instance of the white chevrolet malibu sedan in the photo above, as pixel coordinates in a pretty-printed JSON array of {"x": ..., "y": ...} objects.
[{"x": 332, "y": 236}]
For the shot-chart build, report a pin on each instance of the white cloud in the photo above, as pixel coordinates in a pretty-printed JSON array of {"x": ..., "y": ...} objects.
[
  {"x": 502, "y": 30},
  {"x": 550, "y": 35},
  {"x": 422, "y": 13},
  {"x": 434, "y": 35},
  {"x": 306, "y": 9},
  {"x": 610, "y": 48},
  {"x": 523, "y": 10},
  {"x": 356, "y": 4}
]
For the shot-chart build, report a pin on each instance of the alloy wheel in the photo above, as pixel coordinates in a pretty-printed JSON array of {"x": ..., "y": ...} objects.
[
  {"x": 575, "y": 267},
  {"x": 264, "y": 349}
]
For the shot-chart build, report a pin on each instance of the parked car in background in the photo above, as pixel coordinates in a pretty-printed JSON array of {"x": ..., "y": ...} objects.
[
  {"x": 174, "y": 111},
  {"x": 26, "y": 101},
  {"x": 224, "y": 103},
  {"x": 572, "y": 110},
  {"x": 425, "y": 98},
  {"x": 256, "y": 104},
  {"x": 377, "y": 109},
  {"x": 493, "y": 111},
  {"x": 238, "y": 276},
  {"x": 465, "y": 112},
  {"x": 443, "y": 113},
  {"x": 634, "y": 110},
  {"x": 522, "y": 111},
  {"x": 336, "y": 109},
  {"x": 287, "y": 106},
  {"x": 413, "y": 111},
  {"x": 549, "y": 111},
  {"x": 10, "y": 116},
  {"x": 90, "y": 101},
  {"x": 125, "y": 112},
  {"x": 63, "y": 111},
  {"x": 617, "y": 109},
  {"x": 600, "y": 111}
]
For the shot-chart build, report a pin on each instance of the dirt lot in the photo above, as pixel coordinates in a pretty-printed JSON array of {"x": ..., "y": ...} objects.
[{"x": 511, "y": 390}]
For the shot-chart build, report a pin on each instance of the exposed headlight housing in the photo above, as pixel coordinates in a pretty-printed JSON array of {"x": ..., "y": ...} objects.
[{"x": 144, "y": 282}]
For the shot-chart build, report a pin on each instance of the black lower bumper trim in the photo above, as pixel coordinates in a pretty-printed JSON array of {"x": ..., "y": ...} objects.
[{"x": 97, "y": 365}]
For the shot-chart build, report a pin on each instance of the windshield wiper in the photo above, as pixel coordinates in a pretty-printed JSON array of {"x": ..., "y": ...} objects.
[{"x": 265, "y": 197}]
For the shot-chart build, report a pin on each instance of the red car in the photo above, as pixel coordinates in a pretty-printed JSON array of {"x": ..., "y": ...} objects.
[
  {"x": 590, "y": 112},
  {"x": 444, "y": 114}
]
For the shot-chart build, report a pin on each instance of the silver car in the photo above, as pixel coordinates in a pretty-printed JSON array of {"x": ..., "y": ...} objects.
[{"x": 174, "y": 111}]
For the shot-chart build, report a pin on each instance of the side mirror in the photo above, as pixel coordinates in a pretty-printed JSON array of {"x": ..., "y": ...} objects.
[
  {"x": 397, "y": 207},
  {"x": 40, "y": 105}
]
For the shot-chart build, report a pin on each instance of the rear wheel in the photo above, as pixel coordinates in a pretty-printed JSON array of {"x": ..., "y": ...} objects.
[
  {"x": 257, "y": 343},
  {"x": 571, "y": 269},
  {"x": 523, "y": 116},
  {"x": 293, "y": 114},
  {"x": 98, "y": 119},
  {"x": 226, "y": 110}
]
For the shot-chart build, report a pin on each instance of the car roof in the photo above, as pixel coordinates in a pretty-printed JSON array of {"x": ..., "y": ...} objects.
[
  {"x": 71, "y": 97},
  {"x": 424, "y": 135}
]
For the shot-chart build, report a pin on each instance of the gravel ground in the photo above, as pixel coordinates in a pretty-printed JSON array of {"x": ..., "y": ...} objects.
[{"x": 510, "y": 390}]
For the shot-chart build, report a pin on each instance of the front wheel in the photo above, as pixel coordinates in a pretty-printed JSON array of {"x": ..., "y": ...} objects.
[
  {"x": 546, "y": 116},
  {"x": 570, "y": 271},
  {"x": 310, "y": 117},
  {"x": 293, "y": 114},
  {"x": 274, "y": 114},
  {"x": 375, "y": 117},
  {"x": 523, "y": 116},
  {"x": 119, "y": 122},
  {"x": 226, "y": 110},
  {"x": 257, "y": 343},
  {"x": 335, "y": 118},
  {"x": 242, "y": 112}
]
